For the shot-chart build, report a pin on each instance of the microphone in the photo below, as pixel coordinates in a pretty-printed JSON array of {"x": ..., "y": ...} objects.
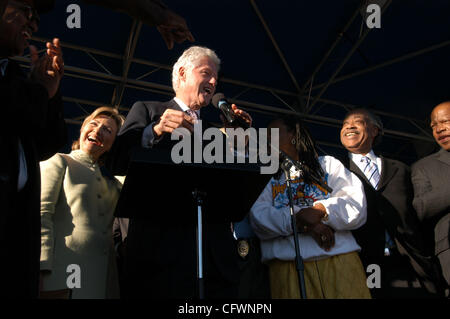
[
  {"x": 287, "y": 163},
  {"x": 220, "y": 102}
]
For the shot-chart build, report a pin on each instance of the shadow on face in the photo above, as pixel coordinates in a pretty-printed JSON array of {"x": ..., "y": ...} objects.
[{"x": 19, "y": 21}]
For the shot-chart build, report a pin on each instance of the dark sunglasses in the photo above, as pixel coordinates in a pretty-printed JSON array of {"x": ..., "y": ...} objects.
[{"x": 29, "y": 12}]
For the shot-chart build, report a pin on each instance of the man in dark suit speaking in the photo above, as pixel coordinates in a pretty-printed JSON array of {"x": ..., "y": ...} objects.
[
  {"x": 390, "y": 237},
  {"x": 430, "y": 177},
  {"x": 161, "y": 255}
]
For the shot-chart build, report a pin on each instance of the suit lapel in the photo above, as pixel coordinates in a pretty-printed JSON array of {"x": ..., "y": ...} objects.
[
  {"x": 355, "y": 169},
  {"x": 389, "y": 169},
  {"x": 173, "y": 105},
  {"x": 444, "y": 156}
]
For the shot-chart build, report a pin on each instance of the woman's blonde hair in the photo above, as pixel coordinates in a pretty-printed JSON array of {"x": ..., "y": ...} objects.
[{"x": 106, "y": 111}]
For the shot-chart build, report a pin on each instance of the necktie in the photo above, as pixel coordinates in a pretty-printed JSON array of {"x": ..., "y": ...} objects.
[
  {"x": 373, "y": 175},
  {"x": 371, "y": 171},
  {"x": 193, "y": 114}
]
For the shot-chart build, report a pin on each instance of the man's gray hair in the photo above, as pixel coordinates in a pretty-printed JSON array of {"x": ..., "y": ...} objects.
[
  {"x": 189, "y": 60},
  {"x": 373, "y": 118}
]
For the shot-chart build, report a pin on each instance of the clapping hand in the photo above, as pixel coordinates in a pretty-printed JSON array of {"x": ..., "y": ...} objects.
[{"x": 49, "y": 68}]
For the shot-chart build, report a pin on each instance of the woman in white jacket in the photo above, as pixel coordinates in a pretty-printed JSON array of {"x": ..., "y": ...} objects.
[
  {"x": 324, "y": 222},
  {"x": 78, "y": 199}
]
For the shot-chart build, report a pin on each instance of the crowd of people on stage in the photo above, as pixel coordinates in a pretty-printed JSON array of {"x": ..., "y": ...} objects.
[{"x": 380, "y": 231}]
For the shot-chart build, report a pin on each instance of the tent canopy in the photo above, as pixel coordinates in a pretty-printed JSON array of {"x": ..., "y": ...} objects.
[{"x": 314, "y": 58}]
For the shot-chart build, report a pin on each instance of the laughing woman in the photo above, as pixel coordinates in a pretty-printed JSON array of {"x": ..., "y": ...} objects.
[
  {"x": 78, "y": 199},
  {"x": 324, "y": 220}
]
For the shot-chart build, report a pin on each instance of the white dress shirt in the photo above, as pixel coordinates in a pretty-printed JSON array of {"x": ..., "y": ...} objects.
[
  {"x": 356, "y": 158},
  {"x": 346, "y": 207}
]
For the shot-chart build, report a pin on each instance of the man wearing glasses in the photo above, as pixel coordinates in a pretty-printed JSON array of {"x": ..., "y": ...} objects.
[{"x": 32, "y": 130}]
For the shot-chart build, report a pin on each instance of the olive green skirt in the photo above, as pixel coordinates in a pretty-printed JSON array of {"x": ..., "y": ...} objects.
[{"x": 336, "y": 277}]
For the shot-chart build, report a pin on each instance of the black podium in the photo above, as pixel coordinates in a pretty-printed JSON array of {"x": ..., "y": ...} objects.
[{"x": 200, "y": 193}]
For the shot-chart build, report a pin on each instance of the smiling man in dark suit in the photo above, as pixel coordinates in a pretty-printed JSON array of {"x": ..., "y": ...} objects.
[
  {"x": 33, "y": 129},
  {"x": 430, "y": 177},
  {"x": 161, "y": 250},
  {"x": 390, "y": 237}
]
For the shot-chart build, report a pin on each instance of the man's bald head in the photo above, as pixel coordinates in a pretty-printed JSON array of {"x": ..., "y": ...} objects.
[
  {"x": 443, "y": 105},
  {"x": 440, "y": 124}
]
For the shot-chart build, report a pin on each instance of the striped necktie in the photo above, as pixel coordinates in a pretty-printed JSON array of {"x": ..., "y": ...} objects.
[
  {"x": 371, "y": 171},
  {"x": 193, "y": 114},
  {"x": 197, "y": 134}
]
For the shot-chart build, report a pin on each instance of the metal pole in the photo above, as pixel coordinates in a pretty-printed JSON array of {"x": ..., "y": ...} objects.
[
  {"x": 298, "y": 257},
  {"x": 325, "y": 58},
  {"x": 386, "y": 63},
  {"x": 198, "y": 197},
  {"x": 275, "y": 44},
  {"x": 128, "y": 56},
  {"x": 344, "y": 62}
]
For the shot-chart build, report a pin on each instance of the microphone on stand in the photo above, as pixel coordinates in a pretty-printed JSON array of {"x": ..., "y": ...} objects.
[{"x": 289, "y": 162}]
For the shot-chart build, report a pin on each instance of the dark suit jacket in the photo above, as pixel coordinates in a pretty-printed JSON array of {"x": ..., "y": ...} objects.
[
  {"x": 430, "y": 177},
  {"x": 390, "y": 208},
  {"x": 28, "y": 114},
  {"x": 161, "y": 250}
]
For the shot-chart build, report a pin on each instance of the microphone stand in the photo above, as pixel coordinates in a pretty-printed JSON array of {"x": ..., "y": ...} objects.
[
  {"x": 286, "y": 166},
  {"x": 199, "y": 198}
]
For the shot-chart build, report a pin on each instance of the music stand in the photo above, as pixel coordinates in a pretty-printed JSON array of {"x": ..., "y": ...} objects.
[{"x": 219, "y": 192}]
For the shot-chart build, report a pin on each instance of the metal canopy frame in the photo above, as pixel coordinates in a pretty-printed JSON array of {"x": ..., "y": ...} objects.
[
  {"x": 418, "y": 128},
  {"x": 344, "y": 61}
]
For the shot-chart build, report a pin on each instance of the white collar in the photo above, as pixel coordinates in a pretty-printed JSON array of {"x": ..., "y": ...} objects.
[
  {"x": 357, "y": 157},
  {"x": 83, "y": 157},
  {"x": 183, "y": 106}
]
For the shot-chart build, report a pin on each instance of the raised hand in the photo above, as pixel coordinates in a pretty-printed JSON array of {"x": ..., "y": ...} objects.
[
  {"x": 242, "y": 114},
  {"x": 174, "y": 29},
  {"x": 49, "y": 68}
]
